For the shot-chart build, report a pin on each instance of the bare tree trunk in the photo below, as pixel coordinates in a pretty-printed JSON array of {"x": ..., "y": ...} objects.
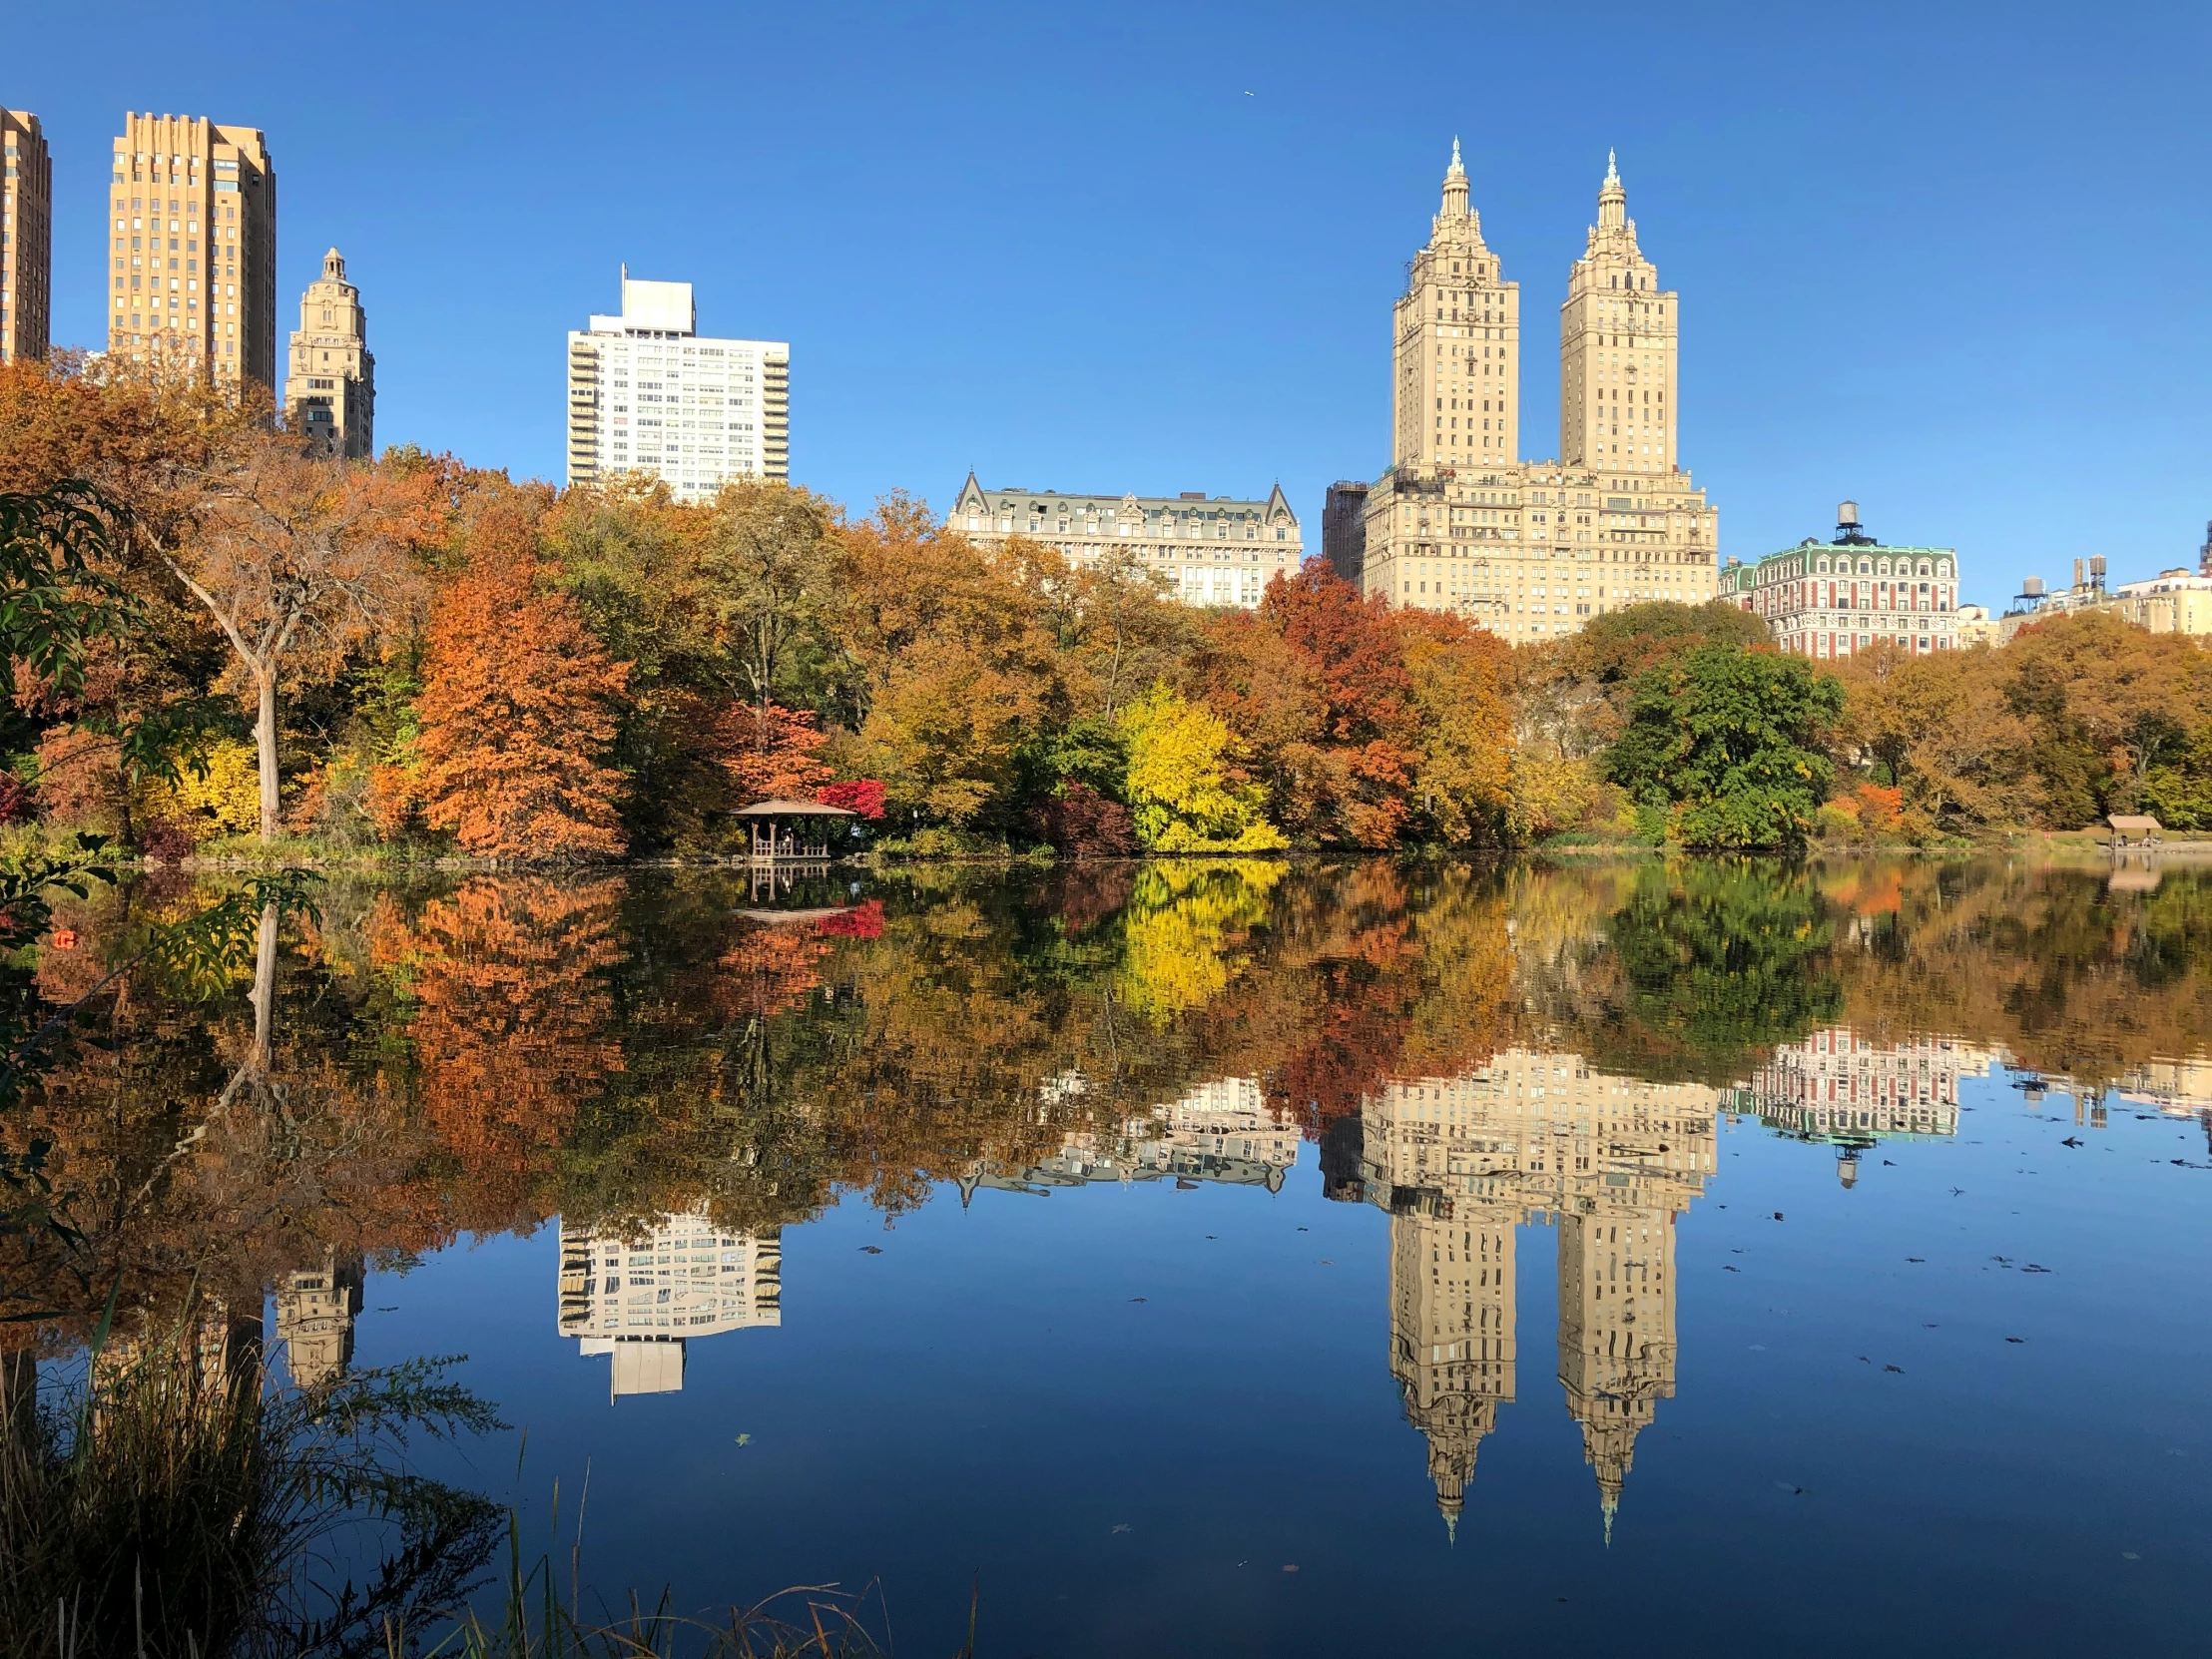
[
  {"x": 256, "y": 1068},
  {"x": 265, "y": 739}
]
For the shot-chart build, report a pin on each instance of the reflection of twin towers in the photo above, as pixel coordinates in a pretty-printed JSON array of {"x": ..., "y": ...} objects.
[{"x": 1461, "y": 1164}]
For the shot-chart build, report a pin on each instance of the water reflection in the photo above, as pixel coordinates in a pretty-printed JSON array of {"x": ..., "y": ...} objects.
[
  {"x": 1461, "y": 1164},
  {"x": 673, "y": 1071},
  {"x": 1222, "y": 1131},
  {"x": 1842, "y": 1089},
  {"x": 639, "y": 1298}
]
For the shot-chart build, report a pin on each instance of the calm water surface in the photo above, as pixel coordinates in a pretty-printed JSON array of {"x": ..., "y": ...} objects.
[{"x": 1696, "y": 1257}]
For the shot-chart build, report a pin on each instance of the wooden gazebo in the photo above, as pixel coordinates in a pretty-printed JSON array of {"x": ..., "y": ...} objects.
[
  {"x": 2147, "y": 831},
  {"x": 791, "y": 832}
]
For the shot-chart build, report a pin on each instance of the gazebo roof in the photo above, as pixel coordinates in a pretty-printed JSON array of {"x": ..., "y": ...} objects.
[{"x": 792, "y": 809}]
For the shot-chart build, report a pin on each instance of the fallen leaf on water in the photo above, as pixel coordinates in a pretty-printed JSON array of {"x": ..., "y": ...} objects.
[
  {"x": 1136, "y": 1298},
  {"x": 1327, "y": 1263},
  {"x": 872, "y": 1249},
  {"x": 1784, "y": 1485},
  {"x": 1121, "y": 1526},
  {"x": 1899, "y": 1369},
  {"x": 744, "y": 1439},
  {"x": 1289, "y": 1569}
]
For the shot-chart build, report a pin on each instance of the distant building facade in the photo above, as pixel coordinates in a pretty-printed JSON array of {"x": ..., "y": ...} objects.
[
  {"x": 637, "y": 1298},
  {"x": 2177, "y": 601},
  {"x": 331, "y": 379},
  {"x": 1344, "y": 530},
  {"x": 1206, "y": 550},
  {"x": 26, "y": 238},
  {"x": 193, "y": 249},
  {"x": 649, "y": 397},
  {"x": 1834, "y": 599},
  {"x": 1531, "y": 550}
]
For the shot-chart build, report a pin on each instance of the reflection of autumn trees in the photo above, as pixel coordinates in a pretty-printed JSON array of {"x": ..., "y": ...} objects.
[
  {"x": 509, "y": 1025},
  {"x": 485, "y": 1055},
  {"x": 2056, "y": 967}
]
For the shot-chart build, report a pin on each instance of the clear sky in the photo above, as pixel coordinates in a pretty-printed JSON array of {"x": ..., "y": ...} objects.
[{"x": 1953, "y": 260}]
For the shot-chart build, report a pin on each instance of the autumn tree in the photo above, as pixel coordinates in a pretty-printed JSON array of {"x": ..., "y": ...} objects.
[
  {"x": 1185, "y": 787},
  {"x": 1464, "y": 726},
  {"x": 770, "y": 573},
  {"x": 516, "y": 708},
  {"x": 772, "y": 754},
  {"x": 300, "y": 560}
]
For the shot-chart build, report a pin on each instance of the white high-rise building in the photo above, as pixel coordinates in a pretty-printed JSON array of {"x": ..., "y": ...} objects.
[
  {"x": 648, "y": 394},
  {"x": 638, "y": 1299}
]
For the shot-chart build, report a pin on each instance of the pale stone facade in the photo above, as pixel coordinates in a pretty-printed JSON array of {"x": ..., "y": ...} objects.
[
  {"x": 316, "y": 1310},
  {"x": 2172, "y": 602},
  {"x": 1204, "y": 550},
  {"x": 331, "y": 381},
  {"x": 639, "y": 1298},
  {"x": 192, "y": 248},
  {"x": 1222, "y": 1132},
  {"x": 650, "y": 397},
  {"x": 1531, "y": 550},
  {"x": 1534, "y": 1136},
  {"x": 26, "y": 238}
]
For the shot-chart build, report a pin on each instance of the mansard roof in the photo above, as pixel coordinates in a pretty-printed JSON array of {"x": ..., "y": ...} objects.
[{"x": 1274, "y": 509}]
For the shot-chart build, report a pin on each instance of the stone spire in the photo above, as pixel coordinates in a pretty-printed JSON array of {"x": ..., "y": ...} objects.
[
  {"x": 1612, "y": 197},
  {"x": 1455, "y": 185}
]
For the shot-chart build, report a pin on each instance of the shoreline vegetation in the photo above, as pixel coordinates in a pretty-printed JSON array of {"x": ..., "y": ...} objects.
[{"x": 416, "y": 657}]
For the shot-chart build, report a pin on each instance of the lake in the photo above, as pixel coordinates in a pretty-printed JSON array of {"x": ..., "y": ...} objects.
[{"x": 1242, "y": 1257}]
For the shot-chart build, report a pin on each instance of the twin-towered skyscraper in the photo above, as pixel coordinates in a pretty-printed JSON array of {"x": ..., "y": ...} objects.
[{"x": 1533, "y": 549}]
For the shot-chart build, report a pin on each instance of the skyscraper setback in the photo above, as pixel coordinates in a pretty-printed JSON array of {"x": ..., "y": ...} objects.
[
  {"x": 193, "y": 245},
  {"x": 27, "y": 246}
]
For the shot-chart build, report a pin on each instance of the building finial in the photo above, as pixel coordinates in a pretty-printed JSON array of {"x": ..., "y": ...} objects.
[
  {"x": 1455, "y": 167},
  {"x": 1612, "y": 170}
]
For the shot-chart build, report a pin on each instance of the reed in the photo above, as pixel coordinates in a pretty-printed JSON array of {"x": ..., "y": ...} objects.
[
  {"x": 171, "y": 1504},
  {"x": 527, "y": 1620}
]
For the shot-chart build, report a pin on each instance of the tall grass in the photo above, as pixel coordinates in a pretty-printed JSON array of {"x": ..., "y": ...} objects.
[
  {"x": 171, "y": 1504},
  {"x": 528, "y": 1621}
]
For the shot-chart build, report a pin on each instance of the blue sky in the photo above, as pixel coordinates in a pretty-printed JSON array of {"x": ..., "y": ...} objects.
[{"x": 1949, "y": 260}]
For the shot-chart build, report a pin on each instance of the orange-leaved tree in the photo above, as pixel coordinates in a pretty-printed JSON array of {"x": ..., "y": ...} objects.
[
  {"x": 516, "y": 706},
  {"x": 772, "y": 754}
]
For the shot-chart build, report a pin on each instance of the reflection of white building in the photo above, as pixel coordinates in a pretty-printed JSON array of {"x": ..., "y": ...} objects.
[
  {"x": 1223, "y": 1131},
  {"x": 638, "y": 1299},
  {"x": 1839, "y": 1087}
]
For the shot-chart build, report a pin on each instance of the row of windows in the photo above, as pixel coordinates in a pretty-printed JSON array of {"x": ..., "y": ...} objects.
[{"x": 1842, "y": 566}]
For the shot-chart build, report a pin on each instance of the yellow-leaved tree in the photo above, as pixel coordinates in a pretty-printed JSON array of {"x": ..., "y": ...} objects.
[{"x": 1185, "y": 790}]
